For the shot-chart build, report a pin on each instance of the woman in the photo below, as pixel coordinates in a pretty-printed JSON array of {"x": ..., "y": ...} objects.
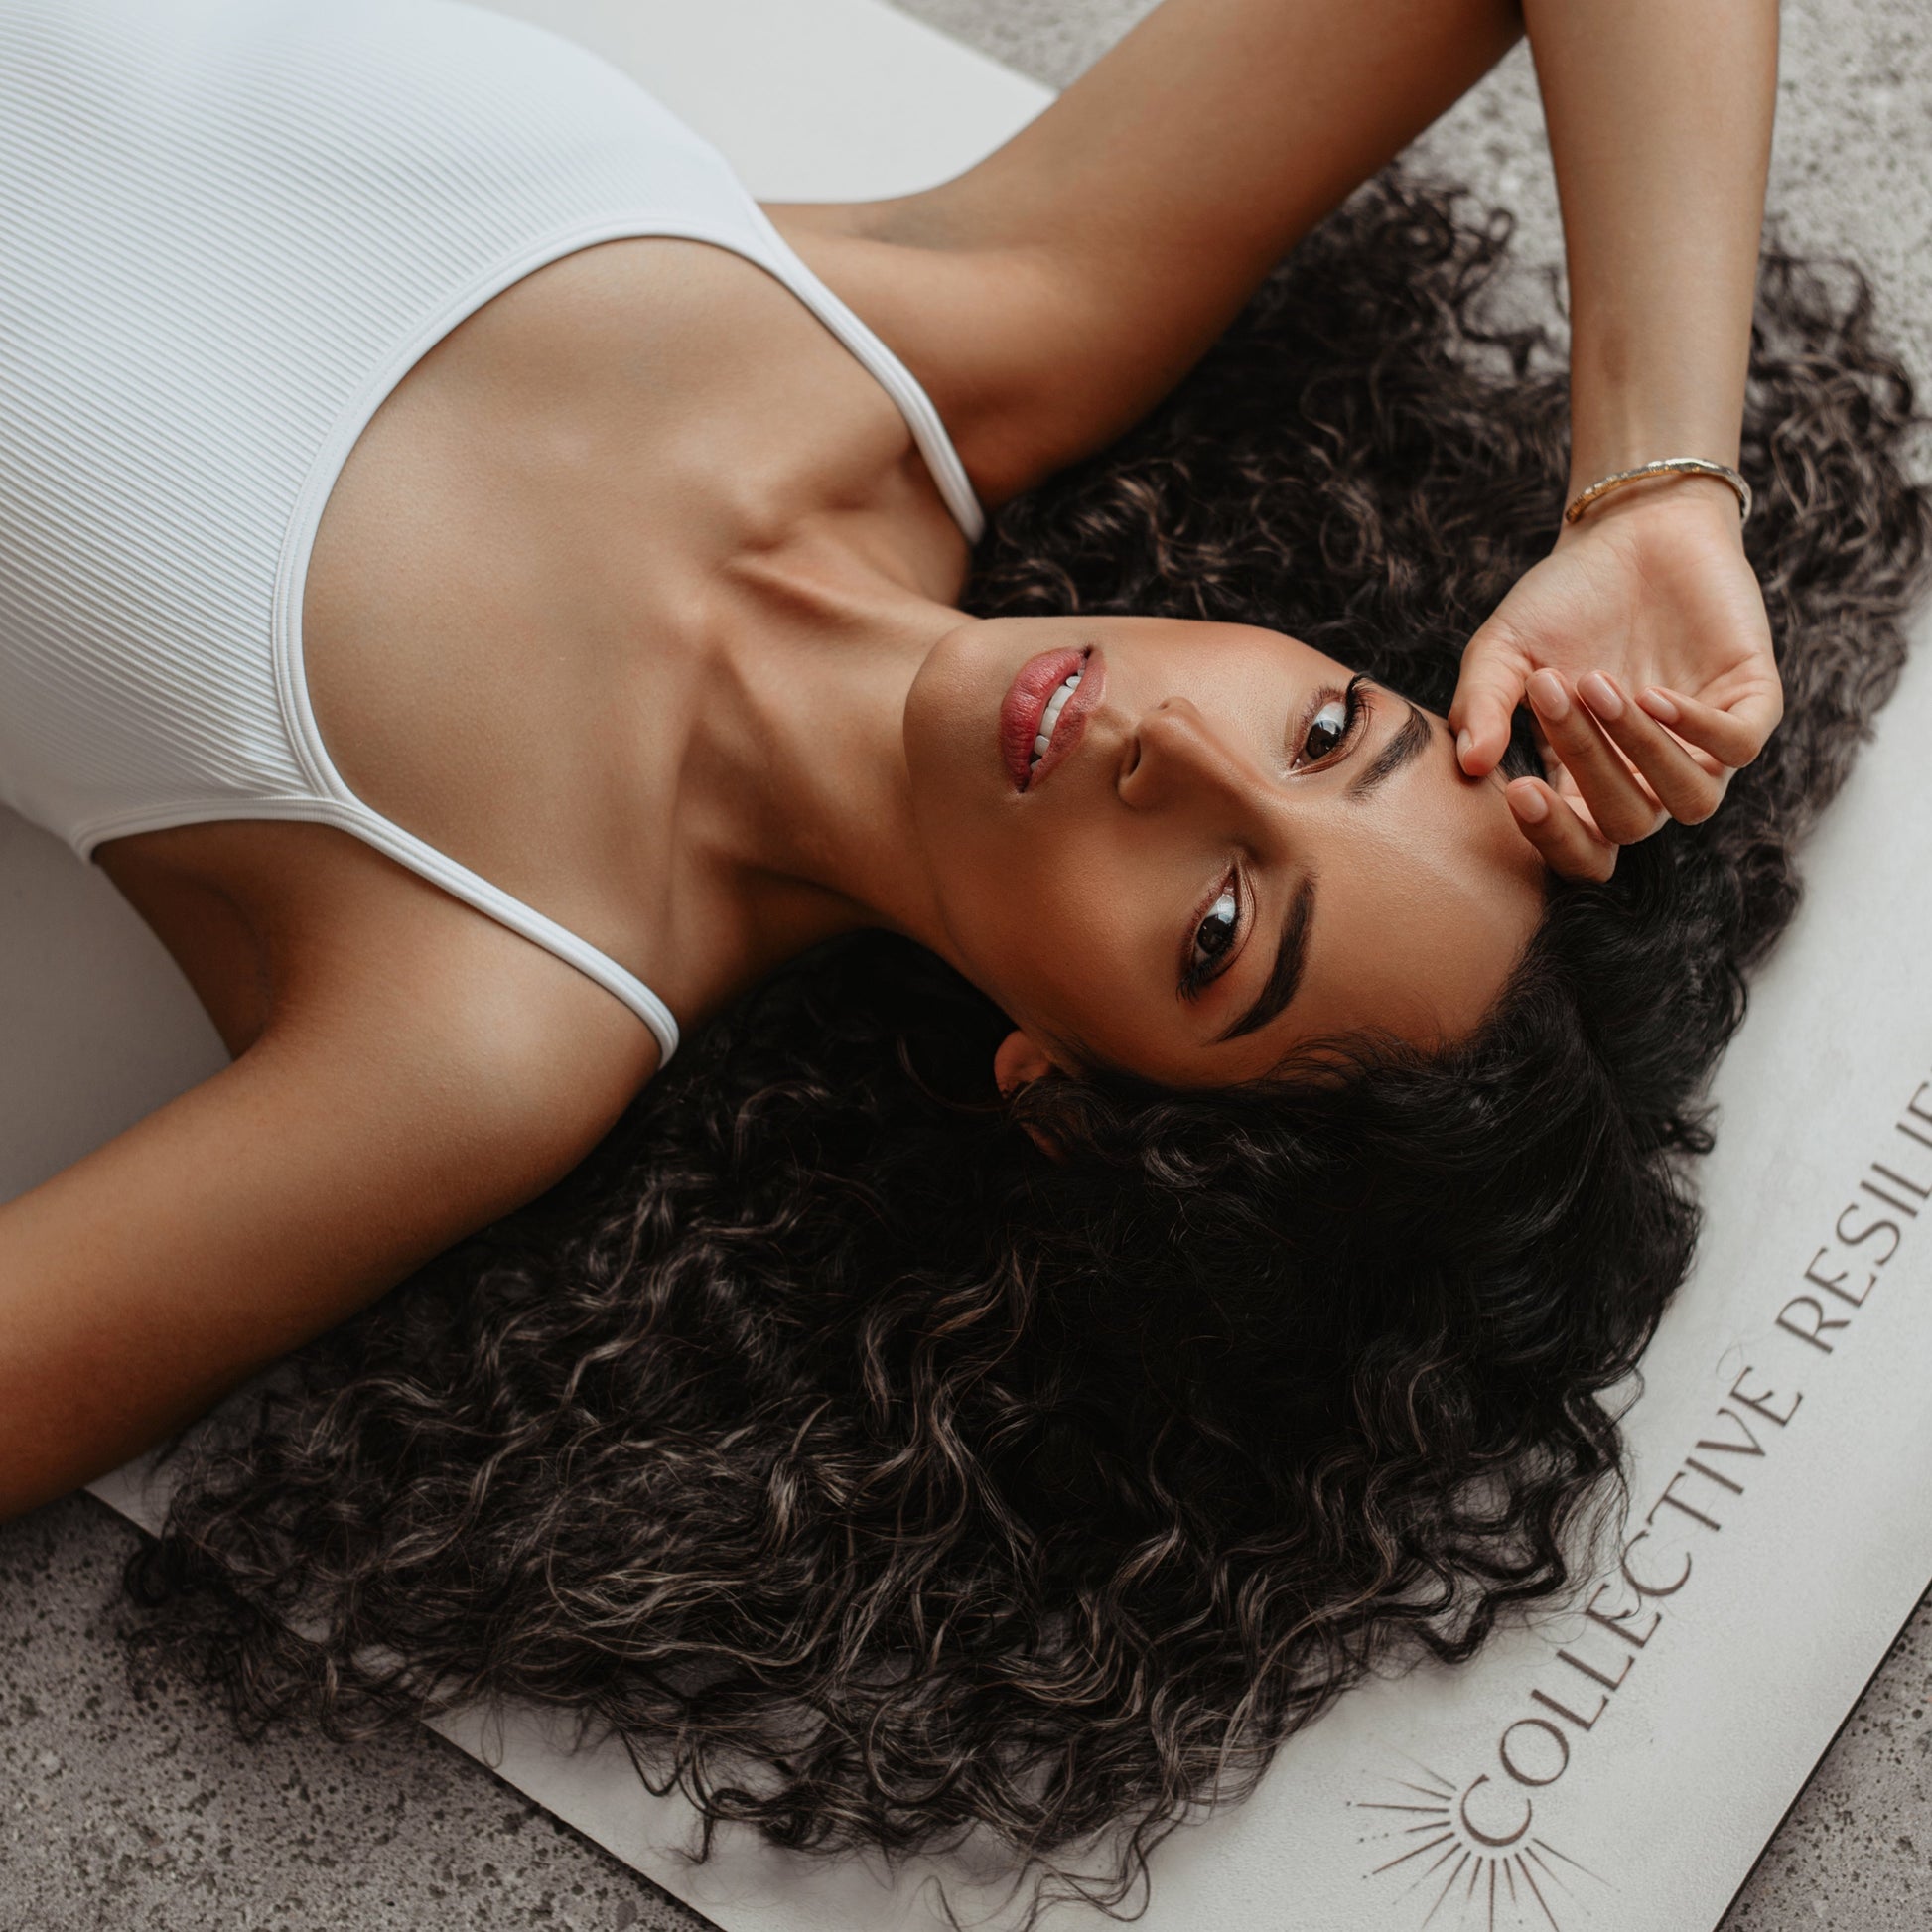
[{"x": 1024, "y": 1369}]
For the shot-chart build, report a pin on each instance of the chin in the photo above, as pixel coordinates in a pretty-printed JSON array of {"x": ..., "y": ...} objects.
[{"x": 951, "y": 721}]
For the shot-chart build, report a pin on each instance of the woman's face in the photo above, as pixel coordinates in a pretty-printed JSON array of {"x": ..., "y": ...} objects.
[{"x": 1227, "y": 848}]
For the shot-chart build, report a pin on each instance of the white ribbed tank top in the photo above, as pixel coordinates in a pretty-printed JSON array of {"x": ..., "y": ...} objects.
[{"x": 228, "y": 229}]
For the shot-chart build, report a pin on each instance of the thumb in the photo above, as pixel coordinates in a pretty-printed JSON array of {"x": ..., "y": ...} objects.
[{"x": 1494, "y": 671}]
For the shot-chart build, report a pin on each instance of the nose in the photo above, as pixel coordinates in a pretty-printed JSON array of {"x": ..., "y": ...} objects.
[{"x": 1176, "y": 753}]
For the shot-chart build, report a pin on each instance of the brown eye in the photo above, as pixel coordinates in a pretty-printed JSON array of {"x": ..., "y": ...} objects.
[
  {"x": 1327, "y": 729},
  {"x": 1332, "y": 726},
  {"x": 1215, "y": 934}
]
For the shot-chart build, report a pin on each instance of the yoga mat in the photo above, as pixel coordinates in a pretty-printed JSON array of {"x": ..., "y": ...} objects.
[{"x": 1618, "y": 1766}]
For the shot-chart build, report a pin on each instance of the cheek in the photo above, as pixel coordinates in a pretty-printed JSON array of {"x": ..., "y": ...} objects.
[{"x": 1060, "y": 946}]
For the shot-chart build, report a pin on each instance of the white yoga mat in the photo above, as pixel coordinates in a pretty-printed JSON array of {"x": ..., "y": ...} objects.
[{"x": 1618, "y": 1766}]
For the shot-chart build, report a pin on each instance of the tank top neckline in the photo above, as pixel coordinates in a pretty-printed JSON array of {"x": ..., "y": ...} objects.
[{"x": 333, "y": 802}]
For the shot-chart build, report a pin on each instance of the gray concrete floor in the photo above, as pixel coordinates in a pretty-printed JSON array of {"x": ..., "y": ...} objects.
[{"x": 114, "y": 1811}]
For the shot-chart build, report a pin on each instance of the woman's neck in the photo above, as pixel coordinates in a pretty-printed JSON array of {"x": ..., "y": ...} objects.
[
  {"x": 746, "y": 561},
  {"x": 793, "y": 809}
]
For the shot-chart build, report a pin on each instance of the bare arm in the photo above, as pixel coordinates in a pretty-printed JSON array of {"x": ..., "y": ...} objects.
[
  {"x": 1646, "y": 613},
  {"x": 367, "y": 1131},
  {"x": 1660, "y": 128},
  {"x": 1052, "y": 295}
]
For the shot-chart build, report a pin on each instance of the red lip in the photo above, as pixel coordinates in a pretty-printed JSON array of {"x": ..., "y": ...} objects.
[{"x": 1025, "y": 703}]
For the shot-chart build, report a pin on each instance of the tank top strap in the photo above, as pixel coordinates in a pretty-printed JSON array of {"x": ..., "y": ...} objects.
[{"x": 928, "y": 431}]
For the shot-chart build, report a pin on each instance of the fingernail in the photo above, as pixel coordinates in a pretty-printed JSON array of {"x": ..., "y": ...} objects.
[
  {"x": 1530, "y": 805},
  {"x": 1465, "y": 745},
  {"x": 1601, "y": 696},
  {"x": 1549, "y": 697},
  {"x": 1659, "y": 706}
]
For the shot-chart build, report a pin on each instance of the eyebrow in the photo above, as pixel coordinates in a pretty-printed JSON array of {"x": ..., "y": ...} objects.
[
  {"x": 1291, "y": 955},
  {"x": 1409, "y": 743}
]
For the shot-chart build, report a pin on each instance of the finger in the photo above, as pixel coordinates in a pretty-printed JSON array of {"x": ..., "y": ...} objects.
[
  {"x": 1569, "y": 847},
  {"x": 1564, "y": 786},
  {"x": 1622, "y": 808},
  {"x": 1685, "y": 788},
  {"x": 1559, "y": 780},
  {"x": 1734, "y": 735},
  {"x": 1488, "y": 692}
]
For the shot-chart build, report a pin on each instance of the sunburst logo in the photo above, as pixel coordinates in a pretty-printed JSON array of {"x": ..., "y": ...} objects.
[{"x": 1466, "y": 1859}]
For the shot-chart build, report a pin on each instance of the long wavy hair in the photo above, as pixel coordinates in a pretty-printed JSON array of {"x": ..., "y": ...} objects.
[{"x": 884, "y": 1482}]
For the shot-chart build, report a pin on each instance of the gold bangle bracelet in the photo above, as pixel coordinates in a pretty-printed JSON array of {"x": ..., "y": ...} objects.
[{"x": 1670, "y": 465}]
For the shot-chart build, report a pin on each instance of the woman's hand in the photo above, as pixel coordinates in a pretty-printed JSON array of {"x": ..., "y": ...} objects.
[{"x": 1642, "y": 647}]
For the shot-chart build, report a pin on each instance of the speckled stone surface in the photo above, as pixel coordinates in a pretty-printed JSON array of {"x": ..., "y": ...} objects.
[
  {"x": 128, "y": 1812},
  {"x": 124, "y": 1813}
]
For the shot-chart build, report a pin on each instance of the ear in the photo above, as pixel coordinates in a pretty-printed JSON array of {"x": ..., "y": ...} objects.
[{"x": 1018, "y": 1061}]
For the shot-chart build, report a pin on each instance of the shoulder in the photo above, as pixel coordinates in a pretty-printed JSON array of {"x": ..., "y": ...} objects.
[
  {"x": 404, "y": 1094},
  {"x": 357, "y": 979},
  {"x": 994, "y": 334},
  {"x": 425, "y": 1024}
]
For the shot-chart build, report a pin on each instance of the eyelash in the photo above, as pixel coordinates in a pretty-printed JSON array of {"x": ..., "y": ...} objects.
[{"x": 1195, "y": 976}]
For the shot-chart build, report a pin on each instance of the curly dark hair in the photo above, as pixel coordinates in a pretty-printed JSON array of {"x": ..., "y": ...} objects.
[{"x": 882, "y": 1481}]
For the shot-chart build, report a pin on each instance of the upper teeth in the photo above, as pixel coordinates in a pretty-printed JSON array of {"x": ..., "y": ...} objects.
[{"x": 1052, "y": 715}]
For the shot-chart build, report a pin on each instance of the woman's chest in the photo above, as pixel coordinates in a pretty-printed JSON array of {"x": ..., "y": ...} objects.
[{"x": 511, "y": 584}]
